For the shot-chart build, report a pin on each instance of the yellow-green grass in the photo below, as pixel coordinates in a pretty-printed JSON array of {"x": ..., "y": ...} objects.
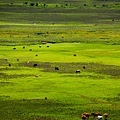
[
  {"x": 95, "y": 89},
  {"x": 26, "y": 34},
  {"x": 71, "y": 36},
  {"x": 63, "y": 52}
]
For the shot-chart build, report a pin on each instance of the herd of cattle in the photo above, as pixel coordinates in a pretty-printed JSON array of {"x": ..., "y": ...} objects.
[
  {"x": 35, "y": 65},
  {"x": 84, "y": 116},
  {"x": 96, "y": 116}
]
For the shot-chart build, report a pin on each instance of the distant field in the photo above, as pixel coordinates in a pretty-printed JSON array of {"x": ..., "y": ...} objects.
[
  {"x": 62, "y": 22},
  {"x": 59, "y": 58}
]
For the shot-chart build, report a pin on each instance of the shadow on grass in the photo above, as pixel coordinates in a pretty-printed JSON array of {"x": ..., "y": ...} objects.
[{"x": 70, "y": 68}]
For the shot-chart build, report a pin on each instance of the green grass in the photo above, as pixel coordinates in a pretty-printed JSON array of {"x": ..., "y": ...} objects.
[
  {"x": 70, "y": 36},
  {"x": 69, "y": 94}
]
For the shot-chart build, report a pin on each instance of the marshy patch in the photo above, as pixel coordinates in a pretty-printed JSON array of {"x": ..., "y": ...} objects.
[
  {"x": 4, "y": 97},
  {"x": 111, "y": 71},
  {"x": 43, "y": 118},
  {"x": 9, "y": 76},
  {"x": 3, "y": 62},
  {"x": 6, "y": 84},
  {"x": 85, "y": 76},
  {"x": 9, "y": 68},
  {"x": 115, "y": 99},
  {"x": 30, "y": 108}
]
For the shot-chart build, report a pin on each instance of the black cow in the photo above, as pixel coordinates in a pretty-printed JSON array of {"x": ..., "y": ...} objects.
[
  {"x": 34, "y": 65},
  {"x": 9, "y": 65},
  {"x": 14, "y": 48},
  {"x": 77, "y": 71},
  {"x": 56, "y": 68},
  {"x": 17, "y": 59},
  {"x": 45, "y": 98},
  {"x": 74, "y": 55},
  {"x": 83, "y": 67}
]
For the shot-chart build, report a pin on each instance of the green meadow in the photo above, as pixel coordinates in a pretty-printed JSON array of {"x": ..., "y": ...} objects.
[{"x": 36, "y": 37}]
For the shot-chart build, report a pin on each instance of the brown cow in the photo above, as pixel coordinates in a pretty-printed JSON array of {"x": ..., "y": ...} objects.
[
  {"x": 86, "y": 114},
  {"x": 95, "y": 114},
  {"x": 83, "y": 117},
  {"x": 105, "y": 116},
  {"x": 36, "y": 75}
]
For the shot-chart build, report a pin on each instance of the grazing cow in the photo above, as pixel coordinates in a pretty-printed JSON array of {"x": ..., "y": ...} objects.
[
  {"x": 6, "y": 60},
  {"x": 83, "y": 117},
  {"x": 47, "y": 46},
  {"x": 83, "y": 67},
  {"x": 45, "y": 98},
  {"x": 34, "y": 65},
  {"x": 14, "y": 48},
  {"x": 95, "y": 114},
  {"x": 9, "y": 65},
  {"x": 77, "y": 71},
  {"x": 30, "y": 50},
  {"x": 44, "y": 42},
  {"x": 86, "y": 114},
  {"x": 99, "y": 117},
  {"x": 36, "y": 75},
  {"x": 74, "y": 55},
  {"x": 39, "y": 46},
  {"x": 36, "y": 55},
  {"x": 23, "y": 47},
  {"x": 56, "y": 68},
  {"x": 105, "y": 116}
]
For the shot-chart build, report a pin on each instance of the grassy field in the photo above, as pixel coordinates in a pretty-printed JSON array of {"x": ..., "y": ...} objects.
[
  {"x": 69, "y": 94},
  {"x": 70, "y": 35}
]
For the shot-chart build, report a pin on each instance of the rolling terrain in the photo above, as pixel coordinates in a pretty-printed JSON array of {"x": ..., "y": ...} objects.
[{"x": 59, "y": 59}]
